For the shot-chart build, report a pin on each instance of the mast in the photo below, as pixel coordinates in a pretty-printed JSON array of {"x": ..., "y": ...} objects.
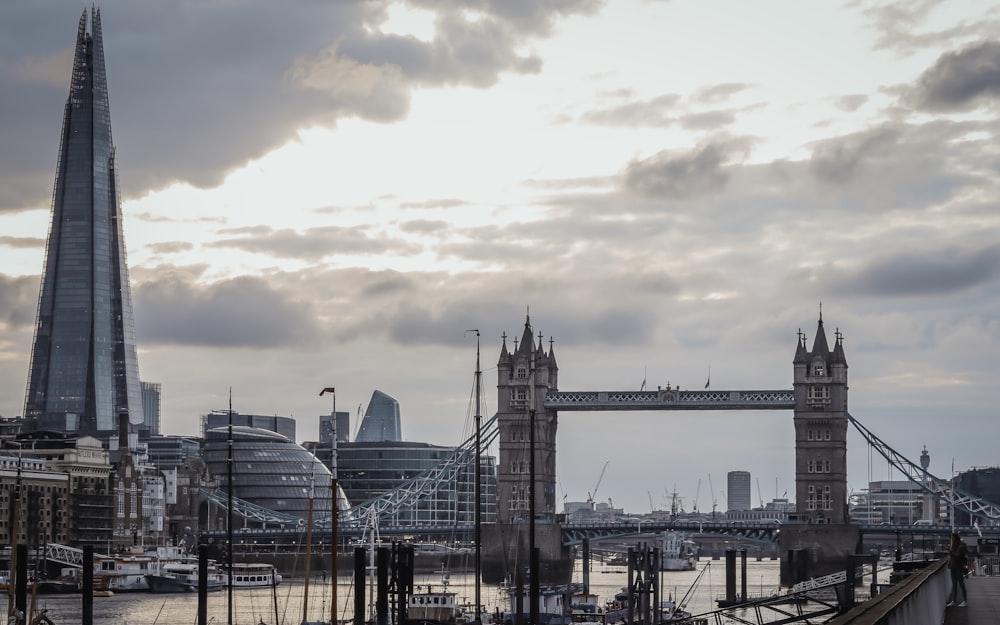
[
  {"x": 229, "y": 522},
  {"x": 309, "y": 546},
  {"x": 335, "y": 510},
  {"x": 478, "y": 482}
]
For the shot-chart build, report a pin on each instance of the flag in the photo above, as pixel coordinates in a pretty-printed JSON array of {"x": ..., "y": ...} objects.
[
  {"x": 708, "y": 382},
  {"x": 975, "y": 524},
  {"x": 328, "y": 389}
]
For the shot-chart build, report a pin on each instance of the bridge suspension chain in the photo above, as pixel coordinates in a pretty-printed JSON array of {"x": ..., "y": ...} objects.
[
  {"x": 428, "y": 483},
  {"x": 929, "y": 483}
]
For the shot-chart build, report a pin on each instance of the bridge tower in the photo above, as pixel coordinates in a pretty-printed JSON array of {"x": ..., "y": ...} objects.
[
  {"x": 523, "y": 378},
  {"x": 820, "y": 385}
]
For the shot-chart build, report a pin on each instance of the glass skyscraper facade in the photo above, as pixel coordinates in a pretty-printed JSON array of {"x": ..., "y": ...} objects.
[
  {"x": 381, "y": 421},
  {"x": 84, "y": 367}
]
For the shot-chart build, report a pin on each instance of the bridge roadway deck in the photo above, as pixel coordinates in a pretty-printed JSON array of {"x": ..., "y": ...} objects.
[{"x": 984, "y": 603}]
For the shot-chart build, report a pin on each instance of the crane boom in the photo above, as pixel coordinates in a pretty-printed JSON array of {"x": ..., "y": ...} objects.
[{"x": 591, "y": 495}]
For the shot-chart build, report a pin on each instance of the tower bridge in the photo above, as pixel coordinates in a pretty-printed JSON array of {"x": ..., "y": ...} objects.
[{"x": 525, "y": 425}]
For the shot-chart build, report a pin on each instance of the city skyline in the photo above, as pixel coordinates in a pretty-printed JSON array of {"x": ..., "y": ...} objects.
[{"x": 334, "y": 195}]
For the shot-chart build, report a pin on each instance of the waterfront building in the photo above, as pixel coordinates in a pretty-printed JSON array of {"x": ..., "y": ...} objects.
[
  {"x": 369, "y": 469},
  {"x": 221, "y": 418},
  {"x": 897, "y": 502},
  {"x": 269, "y": 470},
  {"x": 738, "y": 490},
  {"x": 84, "y": 365},
  {"x": 381, "y": 421},
  {"x": 86, "y": 507}
]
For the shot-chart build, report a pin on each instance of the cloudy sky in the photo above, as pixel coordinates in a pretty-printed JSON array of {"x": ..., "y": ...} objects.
[{"x": 332, "y": 193}]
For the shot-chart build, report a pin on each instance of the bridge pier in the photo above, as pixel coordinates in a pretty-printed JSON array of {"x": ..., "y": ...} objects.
[
  {"x": 815, "y": 550},
  {"x": 505, "y": 552}
]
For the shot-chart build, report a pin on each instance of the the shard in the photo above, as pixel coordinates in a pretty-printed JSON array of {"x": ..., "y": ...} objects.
[{"x": 84, "y": 367}]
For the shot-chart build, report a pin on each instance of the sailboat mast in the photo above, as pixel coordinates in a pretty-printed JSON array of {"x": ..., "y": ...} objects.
[
  {"x": 229, "y": 501},
  {"x": 309, "y": 546},
  {"x": 478, "y": 482},
  {"x": 334, "y": 509}
]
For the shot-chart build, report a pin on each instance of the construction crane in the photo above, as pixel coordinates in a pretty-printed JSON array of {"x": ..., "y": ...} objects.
[
  {"x": 715, "y": 501},
  {"x": 697, "y": 493},
  {"x": 593, "y": 493},
  {"x": 760, "y": 494}
]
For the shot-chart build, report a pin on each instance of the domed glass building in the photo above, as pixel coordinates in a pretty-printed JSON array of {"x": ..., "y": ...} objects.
[{"x": 269, "y": 470}]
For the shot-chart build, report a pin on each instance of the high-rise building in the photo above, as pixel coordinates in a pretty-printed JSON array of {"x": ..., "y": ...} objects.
[
  {"x": 150, "y": 407},
  {"x": 84, "y": 367},
  {"x": 381, "y": 422},
  {"x": 738, "y": 490}
]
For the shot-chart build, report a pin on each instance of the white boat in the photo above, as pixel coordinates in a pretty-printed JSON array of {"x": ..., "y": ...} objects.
[
  {"x": 254, "y": 575},
  {"x": 432, "y": 606},
  {"x": 677, "y": 552},
  {"x": 127, "y": 572}
]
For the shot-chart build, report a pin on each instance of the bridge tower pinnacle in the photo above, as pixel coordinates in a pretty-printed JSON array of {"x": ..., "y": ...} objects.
[
  {"x": 820, "y": 386},
  {"x": 523, "y": 378}
]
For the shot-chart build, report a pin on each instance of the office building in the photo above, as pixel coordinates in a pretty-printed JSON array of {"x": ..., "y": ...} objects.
[
  {"x": 84, "y": 367},
  {"x": 269, "y": 470},
  {"x": 738, "y": 490},
  {"x": 150, "y": 407},
  {"x": 381, "y": 421},
  {"x": 367, "y": 470}
]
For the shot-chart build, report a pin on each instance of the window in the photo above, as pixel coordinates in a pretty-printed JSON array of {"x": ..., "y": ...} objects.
[
  {"x": 521, "y": 373},
  {"x": 521, "y": 394},
  {"x": 818, "y": 394}
]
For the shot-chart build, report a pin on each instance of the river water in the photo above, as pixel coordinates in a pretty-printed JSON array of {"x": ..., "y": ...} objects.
[{"x": 251, "y": 606}]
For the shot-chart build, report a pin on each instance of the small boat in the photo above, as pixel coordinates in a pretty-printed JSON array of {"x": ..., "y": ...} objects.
[{"x": 253, "y": 575}]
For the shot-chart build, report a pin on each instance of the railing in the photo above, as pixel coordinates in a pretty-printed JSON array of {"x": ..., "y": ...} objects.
[{"x": 917, "y": 600}]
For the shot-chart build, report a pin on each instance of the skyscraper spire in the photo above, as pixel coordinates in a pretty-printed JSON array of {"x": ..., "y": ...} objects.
[{"x": 84, "y": 366}]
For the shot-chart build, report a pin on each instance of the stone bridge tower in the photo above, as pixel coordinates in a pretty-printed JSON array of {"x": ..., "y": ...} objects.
[
  {"x": 523, "y": 377},
  {"x": 820, "y": 385}
]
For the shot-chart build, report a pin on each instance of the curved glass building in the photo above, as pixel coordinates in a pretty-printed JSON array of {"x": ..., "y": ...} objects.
[{"x": 269, "y": 470}]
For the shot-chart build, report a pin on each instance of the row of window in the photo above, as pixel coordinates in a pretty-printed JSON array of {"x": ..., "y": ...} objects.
[
  {"x": 818, "y": 435},
  {"x": 817, "y": 466}
]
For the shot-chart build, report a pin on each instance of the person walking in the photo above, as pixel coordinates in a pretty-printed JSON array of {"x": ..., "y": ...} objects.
[{"x": 958, "y": 562}]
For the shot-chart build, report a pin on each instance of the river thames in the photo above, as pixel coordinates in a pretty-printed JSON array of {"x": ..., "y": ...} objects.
[{"x": 253, "y": 606}]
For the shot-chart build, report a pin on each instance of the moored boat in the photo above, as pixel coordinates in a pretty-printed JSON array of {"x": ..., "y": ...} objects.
[
  {"x": 182, "y": 577},
  {"x": 253, "y": 575}
]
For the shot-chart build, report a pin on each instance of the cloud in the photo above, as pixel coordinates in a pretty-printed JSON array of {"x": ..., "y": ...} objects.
[
  {"x": 931, "y": 271},
  {"x": 840, "y": 159},
  {"x": 698, "y": 172},
  {"x": 22, "y": 242},
  {"x": 244, "y": 312},
  {"x": 264, "y": 71},
  {"x": 20, "y": 301},
  {"x": 315, "y": 243},
  {"x": 960, "y": 81}
]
